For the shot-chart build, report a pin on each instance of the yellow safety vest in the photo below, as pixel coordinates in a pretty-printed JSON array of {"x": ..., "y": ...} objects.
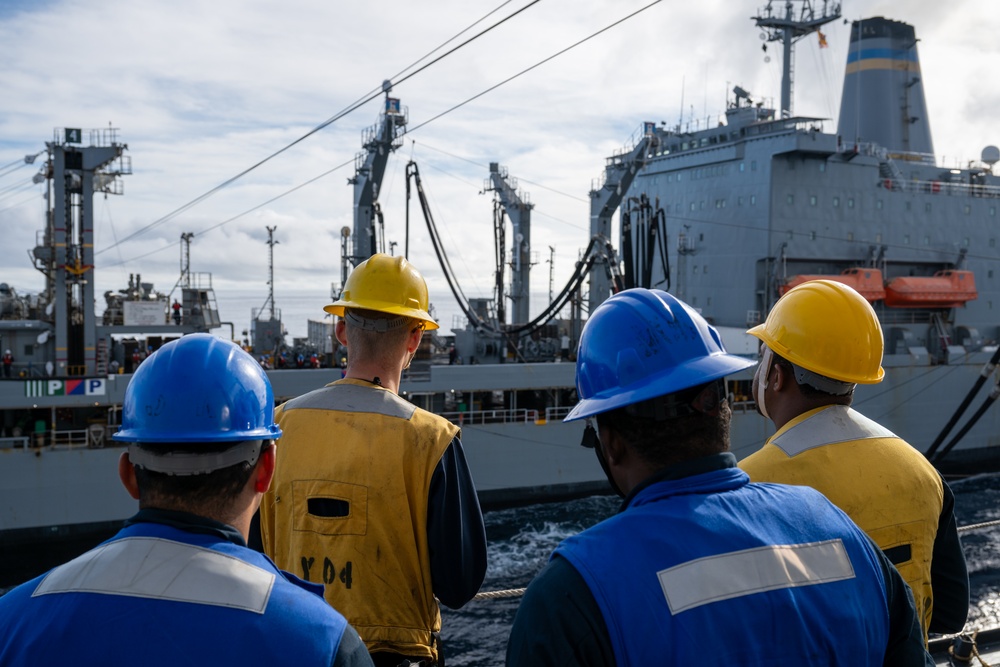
[
  {"x": 886, "y": 486},
  {"x": 348, "y": 508}
]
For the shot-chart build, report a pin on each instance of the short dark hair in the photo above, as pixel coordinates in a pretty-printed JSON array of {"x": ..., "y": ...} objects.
[
  {"x": 807, "y": 390},
  {"x": 670, "y": 441},
  {"x": 208, "y": 493}
]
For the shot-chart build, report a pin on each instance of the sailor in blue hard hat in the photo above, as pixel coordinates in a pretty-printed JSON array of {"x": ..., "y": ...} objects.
[
  {"x": 178, "y": 585},
  {"x": 699, "y": 566}
]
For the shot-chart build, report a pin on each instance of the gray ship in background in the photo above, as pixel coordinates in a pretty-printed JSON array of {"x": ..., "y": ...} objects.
[
  {"x": 729, "y": 218},
  {"x": 725, "y": 217}
]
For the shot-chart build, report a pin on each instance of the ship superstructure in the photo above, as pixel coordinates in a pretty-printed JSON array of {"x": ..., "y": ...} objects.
[{"x": 763, "y": 202}]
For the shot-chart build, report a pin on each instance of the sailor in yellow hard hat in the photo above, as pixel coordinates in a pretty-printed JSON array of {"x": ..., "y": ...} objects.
[
  {"x": 373, "y": 496},
  {"x": 821, "y": 339}
]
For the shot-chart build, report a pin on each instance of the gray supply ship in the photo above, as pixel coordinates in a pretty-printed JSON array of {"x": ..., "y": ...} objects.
[{"x": 726, "y": 217}]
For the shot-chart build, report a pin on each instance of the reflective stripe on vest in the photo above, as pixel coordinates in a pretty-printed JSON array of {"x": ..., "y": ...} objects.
[
  {"x": 838, "y": 423},
  {"x": 750, "y": 571},
  {"x": 147, "y": 567}
]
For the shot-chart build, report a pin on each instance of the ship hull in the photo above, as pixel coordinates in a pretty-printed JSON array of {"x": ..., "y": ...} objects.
[{"x": 58, "y": 501}]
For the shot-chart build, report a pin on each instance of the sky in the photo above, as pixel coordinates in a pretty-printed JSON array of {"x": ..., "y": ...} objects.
[{"x": 201, "y": 91}]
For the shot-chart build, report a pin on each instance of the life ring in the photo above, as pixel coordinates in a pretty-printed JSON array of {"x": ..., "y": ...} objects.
[
  {"x": 935, "y": 186},
  {"x": 888, "y": 184}
]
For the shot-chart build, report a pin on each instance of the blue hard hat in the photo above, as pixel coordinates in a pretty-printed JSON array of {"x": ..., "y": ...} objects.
[
  {"x": 198, "y": 388},
  {"x": 642, "y": 343}
]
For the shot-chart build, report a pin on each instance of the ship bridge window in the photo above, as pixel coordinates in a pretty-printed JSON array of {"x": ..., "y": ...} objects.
[
  {"x": 739, "y": 200},
  {"x": 742, "y": 167},
  {"x": 965, "y": 241},
  {"x": 753, "y": 200},
  {"x": 812, "y": 200},
  {"x": 692, "y": 206},
  {"x": 836, "y": 202},
  {"x": 822, "y": 166},
  {"x": 753, "y": 165},
  {"x": 968, "y": 209},
  {"x": 790, "y": 199},
  {"x": 878, "y": 204},
  {"x": 993, "y": 210},
  {"x": 927, "y": 207},
  {"x": 850, "y": 202}
]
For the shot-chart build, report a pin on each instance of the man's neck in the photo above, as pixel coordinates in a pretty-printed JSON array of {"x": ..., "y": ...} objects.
[{"x": 383, "y": 377}]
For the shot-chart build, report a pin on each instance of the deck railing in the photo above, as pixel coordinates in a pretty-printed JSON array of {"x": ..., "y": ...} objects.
[{"x": 492, "y": 417}]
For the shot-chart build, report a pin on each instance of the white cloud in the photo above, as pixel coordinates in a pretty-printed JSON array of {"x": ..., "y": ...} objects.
[{"x": 202, "y": 91}]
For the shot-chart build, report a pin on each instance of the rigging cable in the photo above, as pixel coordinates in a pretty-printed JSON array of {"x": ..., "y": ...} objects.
[{"x": 350, "y": 108}]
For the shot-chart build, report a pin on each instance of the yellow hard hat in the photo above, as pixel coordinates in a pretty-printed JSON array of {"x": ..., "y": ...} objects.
[
  {"x": 386, "y": 285},
  {"x": 828, "y": 328}
]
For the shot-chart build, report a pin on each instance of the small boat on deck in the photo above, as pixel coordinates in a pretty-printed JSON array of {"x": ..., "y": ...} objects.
[
  {"x": 867, "y": 281},
  {"x": 945, "y": 289}
]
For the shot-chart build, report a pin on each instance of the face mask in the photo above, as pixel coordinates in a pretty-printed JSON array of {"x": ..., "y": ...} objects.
[{"x": 761, "y": 376}]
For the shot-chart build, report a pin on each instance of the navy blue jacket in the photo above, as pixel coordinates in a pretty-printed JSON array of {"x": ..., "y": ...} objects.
[
  {"x": 688, "y": 573},
  {"x": 172, "y": 589}
]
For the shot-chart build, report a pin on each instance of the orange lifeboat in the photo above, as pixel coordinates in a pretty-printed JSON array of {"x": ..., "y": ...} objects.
[
  {"x": 945, "y": 289},
  {"x": 868, "y": 282}
]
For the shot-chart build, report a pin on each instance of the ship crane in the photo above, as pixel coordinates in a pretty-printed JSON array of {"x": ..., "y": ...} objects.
[
  {"x": 596, "y": 250},
  {"x": 517, "y": 207},
  {"x": 379, "y": 141},
  {"x": 619, "y": 172}
]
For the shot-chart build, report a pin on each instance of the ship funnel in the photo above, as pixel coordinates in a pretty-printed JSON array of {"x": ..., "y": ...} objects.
[{"x": 883, "y": 98}]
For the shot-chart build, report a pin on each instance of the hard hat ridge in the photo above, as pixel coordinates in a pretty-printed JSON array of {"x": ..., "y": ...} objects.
[
  {"x": 387, "y": 285},
  {"x": 640, "y": 344}
]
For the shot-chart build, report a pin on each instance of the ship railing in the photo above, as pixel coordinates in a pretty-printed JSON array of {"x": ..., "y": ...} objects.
[
  {"x": 557, "y": 414},
  {"x": 517, "y": 416},
  {"x": 18, "y": 442},
  {"x": 73, "y": 439},
  {"x": 943, "y": 188}
]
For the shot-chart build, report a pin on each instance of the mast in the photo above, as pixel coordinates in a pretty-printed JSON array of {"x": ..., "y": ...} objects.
[
  {"x": 75, "y": 172},
  {"x": 789, "y": 29},
  {"x": 270, "y": 267}
]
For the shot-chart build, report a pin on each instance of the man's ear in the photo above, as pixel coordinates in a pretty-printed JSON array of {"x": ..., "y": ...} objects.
[
  {"x": 615, "y": 451},
  {"x": 264, "y": 471},
  {"x": 126, "y": 473},
  {"x": 781, "y": 378},
  {"x": 339, "y": 329}
]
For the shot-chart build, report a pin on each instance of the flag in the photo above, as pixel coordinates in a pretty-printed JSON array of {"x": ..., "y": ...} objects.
[{"x": 822, "y": 40}]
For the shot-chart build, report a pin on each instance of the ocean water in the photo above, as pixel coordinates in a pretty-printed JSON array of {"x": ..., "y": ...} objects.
[{"x": 521, "y": 539}]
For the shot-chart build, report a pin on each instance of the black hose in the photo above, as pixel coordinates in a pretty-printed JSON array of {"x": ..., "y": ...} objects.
[{"x": 985, "y": 373}]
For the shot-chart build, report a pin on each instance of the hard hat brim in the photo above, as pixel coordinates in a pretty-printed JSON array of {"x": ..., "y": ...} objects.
[
  {"x": 690, "y": 374},
  {"x": 337, "y": 308}
]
